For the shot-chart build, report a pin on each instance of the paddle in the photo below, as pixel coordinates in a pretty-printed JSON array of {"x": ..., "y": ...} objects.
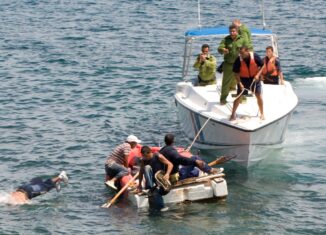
[
  {"x": 221, "y": 160},
  {"x": 109, "y": 203}
]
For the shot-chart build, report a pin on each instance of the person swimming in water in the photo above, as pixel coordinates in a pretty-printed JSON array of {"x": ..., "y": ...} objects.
[{"x": 36, "y": 187}]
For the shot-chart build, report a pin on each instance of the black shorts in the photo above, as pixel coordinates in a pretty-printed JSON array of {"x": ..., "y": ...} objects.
[
  {"x": 246, "y": 82},
  {"x": 271, "y": 80}
]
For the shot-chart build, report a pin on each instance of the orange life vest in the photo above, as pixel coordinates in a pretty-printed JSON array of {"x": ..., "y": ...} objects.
[
  {"x": 270, "y": 67},
  {"x": 250, "y": 72}
]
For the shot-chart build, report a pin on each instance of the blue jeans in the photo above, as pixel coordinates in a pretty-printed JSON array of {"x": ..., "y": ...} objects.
[
  {"x": 155, "y": 199},
  {"x": 115, "y": 170},
  {"x": 37, "y": 187},
  {"x": 149, "y": 177},
  {"x": 192, "y": 171}
]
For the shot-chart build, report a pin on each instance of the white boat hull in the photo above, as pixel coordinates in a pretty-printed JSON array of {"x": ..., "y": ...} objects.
[
  {"x": 215, "y": 188},
  {"x": 200, "y": 113}
]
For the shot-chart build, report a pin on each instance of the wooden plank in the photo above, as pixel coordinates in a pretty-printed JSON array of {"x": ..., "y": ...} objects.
[{"x": 194, "y": 180}]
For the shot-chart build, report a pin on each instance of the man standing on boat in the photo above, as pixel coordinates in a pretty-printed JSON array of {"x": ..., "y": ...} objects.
[
  {"x": 246, "y": 67},
  {"x": 271, "y": 71},
  {"x": 116, "y": 165},
  {"x": 243, "y": 30},
  {"x": 206, "y": 64},
  {"x": 229, "y": 47}
]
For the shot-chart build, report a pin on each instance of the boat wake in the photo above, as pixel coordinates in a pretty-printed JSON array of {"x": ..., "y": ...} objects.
[
  {"x": 316, "y": 79},
  {"x": 313, "y": 81}
]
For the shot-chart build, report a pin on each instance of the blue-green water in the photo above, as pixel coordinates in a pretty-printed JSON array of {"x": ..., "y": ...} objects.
[{"x": 78, "y": 76}]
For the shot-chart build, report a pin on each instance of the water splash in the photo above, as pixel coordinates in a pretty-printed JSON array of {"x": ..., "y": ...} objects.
[{"x": 6, "y": 198}]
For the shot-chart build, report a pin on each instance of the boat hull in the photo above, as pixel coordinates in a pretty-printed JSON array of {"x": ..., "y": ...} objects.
[
  {"x": 249, "y": 138},
  {"x": 215, "y": 188}
]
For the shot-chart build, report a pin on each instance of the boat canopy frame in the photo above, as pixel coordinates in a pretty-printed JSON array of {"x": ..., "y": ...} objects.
[{"x": 219, "y": 32}]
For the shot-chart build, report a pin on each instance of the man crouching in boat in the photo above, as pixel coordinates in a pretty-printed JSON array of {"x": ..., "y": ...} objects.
[
  {"x": 171, "y": 154},
  {"x": 150, "y": 164},
  {"x": 116, "y": 165}
]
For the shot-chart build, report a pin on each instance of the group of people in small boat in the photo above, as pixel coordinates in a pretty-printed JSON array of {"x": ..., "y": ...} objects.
[
  {"x": 160, "y": 170},
  {"x": 241, "y": 67}
]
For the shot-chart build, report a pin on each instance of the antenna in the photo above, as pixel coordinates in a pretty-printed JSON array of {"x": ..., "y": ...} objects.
[
  {"x": 263, "y": 13},
  {"x": 199, "y": 25}
]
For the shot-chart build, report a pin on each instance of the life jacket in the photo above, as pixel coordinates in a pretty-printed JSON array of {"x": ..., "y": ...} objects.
[
  {"x": 250, "y": 72},
  {"x": 270, "y": 68}
]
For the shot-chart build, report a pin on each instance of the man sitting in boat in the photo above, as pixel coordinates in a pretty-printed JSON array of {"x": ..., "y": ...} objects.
[
  {"x": 246, "y": 67},
  {"x": 271, "y": 71},
  {"x": 116, "y": 165},
  {"x": 171, "y": 154},
  {"x": 206, "y": 64},
  {"x": 150, "y": 164}
]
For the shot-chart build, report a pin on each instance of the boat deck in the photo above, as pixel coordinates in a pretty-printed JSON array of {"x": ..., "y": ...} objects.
[{"x": 204, "y": 100}]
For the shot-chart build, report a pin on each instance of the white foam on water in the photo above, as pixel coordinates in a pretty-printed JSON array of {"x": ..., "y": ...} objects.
[
  {"x": 315, "y": 79},
  {"x": 5, "y": 198}
]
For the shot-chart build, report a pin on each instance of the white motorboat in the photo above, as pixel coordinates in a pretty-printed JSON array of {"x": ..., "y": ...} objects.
[
  {"x": 191, "y": 189},
  {"x": 205, "y": 121}
]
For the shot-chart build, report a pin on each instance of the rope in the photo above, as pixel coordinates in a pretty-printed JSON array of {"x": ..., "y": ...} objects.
[
  {"x": 263, "y": 14},
  {"x": 198, "y": 9},
  {"x": 188, "y": 149},
  {"x": 253, "y": 81}
]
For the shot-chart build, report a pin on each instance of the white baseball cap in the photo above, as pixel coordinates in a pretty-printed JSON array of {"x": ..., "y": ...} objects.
[{"x": 132, "y": 138}]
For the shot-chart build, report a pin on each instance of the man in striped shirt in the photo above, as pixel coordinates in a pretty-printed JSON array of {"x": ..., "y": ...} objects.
[{"x": 116, "y": 165}]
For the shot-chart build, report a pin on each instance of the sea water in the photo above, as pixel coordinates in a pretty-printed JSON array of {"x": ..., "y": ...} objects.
[{"x": 77, "y": 77}]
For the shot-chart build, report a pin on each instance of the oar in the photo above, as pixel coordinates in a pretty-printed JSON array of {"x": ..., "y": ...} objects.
[
  {"x": 109, "y": 203},
  {"x": 221, "y": 160}
]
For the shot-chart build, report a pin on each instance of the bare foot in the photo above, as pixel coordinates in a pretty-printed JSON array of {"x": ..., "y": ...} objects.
[
  {"x": 262, "y": 117},
  {"x": 233, "y": 118}
]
